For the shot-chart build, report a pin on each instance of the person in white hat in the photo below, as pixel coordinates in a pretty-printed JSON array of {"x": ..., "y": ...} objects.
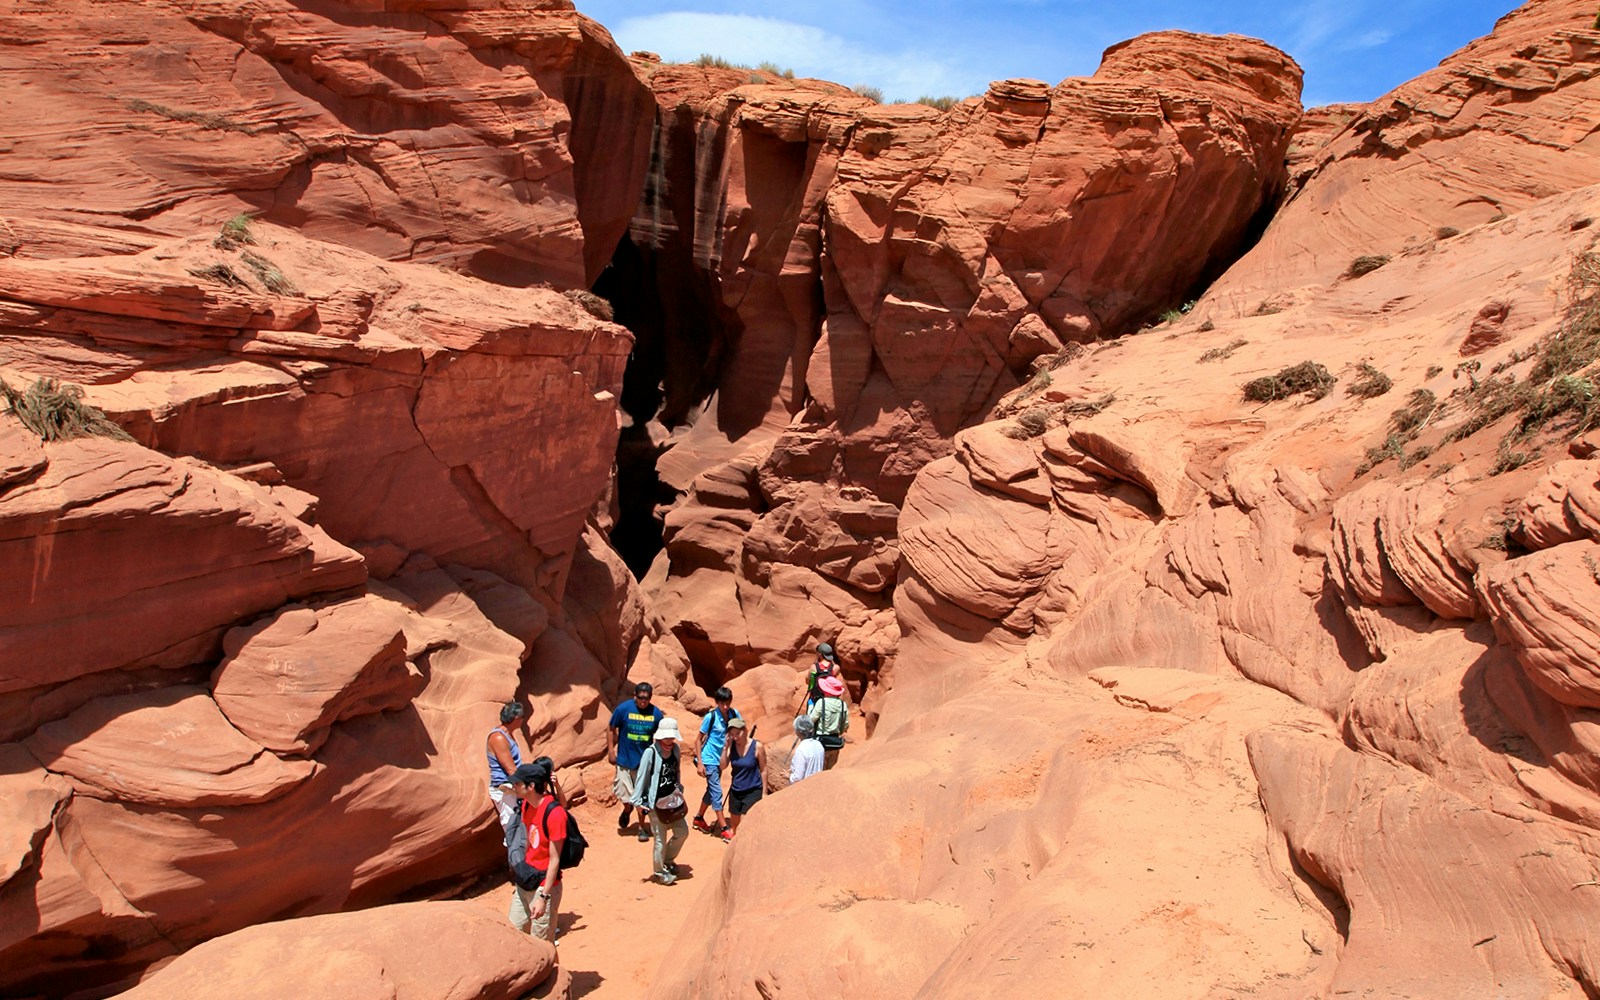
[{"x": 658, "y": 791}]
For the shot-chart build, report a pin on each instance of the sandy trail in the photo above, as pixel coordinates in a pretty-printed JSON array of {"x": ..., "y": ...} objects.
[{"x": 616, "y": 924}]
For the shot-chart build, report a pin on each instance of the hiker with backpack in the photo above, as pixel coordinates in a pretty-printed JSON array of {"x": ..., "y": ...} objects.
[
  {"x": 748, "y": 781},
  {"x": 539, "y": 848},
  {"x": 831, "y": 717},
  {"x": 711, "y": 756},
  {"x": 658, "y": 790},
  {"x": 825, "y": 665}
]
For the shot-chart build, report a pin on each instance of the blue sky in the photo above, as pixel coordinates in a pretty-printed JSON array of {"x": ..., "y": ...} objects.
[{"x": 1352, "y": 50}]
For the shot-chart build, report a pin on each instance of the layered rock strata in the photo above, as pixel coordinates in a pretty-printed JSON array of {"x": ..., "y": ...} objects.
[
  {"x": 876, "y": 277},
  {"x": 503, "y": 139},
  {"x": 1352, "y": 622}
]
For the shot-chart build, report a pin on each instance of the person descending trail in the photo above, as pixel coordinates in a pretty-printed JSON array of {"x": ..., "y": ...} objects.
[
  {"x": 658, "y": 789},
  {"x": 633, "y": 727},
  {"x": 537, "y": 889},
  {"x": 748, "y": 782}
]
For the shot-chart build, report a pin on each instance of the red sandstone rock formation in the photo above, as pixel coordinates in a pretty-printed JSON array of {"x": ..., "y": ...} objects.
[
  {"x": 879, "y": 276},
  {"x": 503, "y": 138},
  {"x": 1410, "y": 568},
  {"x": 248, "y": 659},
  {"x": 388, "y": 953},
  {"x": 1500, "y": 125}
]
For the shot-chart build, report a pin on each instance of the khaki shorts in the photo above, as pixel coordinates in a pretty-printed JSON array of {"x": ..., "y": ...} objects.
[{"x": 622, "y": 785}]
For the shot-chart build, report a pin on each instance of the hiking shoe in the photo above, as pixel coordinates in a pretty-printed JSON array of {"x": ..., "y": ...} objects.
[
  {"x": 622, "y": 821},
  {"x": 726, "y": 834},
  {"x": 701, "y": 824},
  {"x": 666, "y": 877},
  {"x": 672, "y": 869},
  {"x": 644, "y": 834}
]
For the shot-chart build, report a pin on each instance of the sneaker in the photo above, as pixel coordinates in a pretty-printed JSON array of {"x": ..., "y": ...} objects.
[
  {"x": 644, "y": 834},
  {"x": 622, "y": 821},
  {"x": 701, "y": 824},
  {"x": 666, "y": 877},
  {"x": 726, "y": 834},
  {"x": 672, "y": 869}
]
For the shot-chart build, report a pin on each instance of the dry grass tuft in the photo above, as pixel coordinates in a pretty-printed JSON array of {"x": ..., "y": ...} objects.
[
  {"x": 56, "y": 411},
  {"x": 1224, "y": 352},
  {"x": 1366, "y": 265}
]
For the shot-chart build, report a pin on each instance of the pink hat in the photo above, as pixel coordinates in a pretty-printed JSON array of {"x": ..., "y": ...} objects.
[{"x": 831, "y": 686}]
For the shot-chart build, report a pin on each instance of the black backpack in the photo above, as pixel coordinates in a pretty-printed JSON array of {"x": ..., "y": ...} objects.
[{"x": 525, "y": 875}]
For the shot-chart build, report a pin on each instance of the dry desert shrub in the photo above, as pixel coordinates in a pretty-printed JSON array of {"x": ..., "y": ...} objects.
[
  {"x": 56, "y": 411},
  {"x": 1224, "y": 352},
  {"x": 591, "y": 303},
  {"x": 1366, "y": 265},
  {"x": 267, "y": 272},
  {"x": 1369, "y": 382},
  {"x": 1306, "y": 377},
  {"x": 220, "y": 273}
]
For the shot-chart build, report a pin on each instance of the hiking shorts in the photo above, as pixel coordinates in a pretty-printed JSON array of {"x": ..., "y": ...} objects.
[{"x": 739, "y": 802}]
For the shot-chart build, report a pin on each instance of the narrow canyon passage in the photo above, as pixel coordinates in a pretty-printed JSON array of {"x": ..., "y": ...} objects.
[{"x": 1201, "y": 492}]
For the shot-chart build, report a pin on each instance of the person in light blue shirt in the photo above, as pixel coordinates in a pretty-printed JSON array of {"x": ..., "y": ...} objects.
[{"x": 712, "y": 757}]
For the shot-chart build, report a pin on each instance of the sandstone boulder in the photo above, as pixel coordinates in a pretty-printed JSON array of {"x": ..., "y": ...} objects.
[
  {"x": 1539, "y": 607},
  {"x": 410, "y": 951},
  {"x": 289, "y": 677},
  {"x": 124, "y": 558},
  {"x": 169, "y": 748}
]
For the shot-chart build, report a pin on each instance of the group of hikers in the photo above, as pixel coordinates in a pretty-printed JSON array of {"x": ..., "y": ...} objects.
[{"x": 642, "y": 743}]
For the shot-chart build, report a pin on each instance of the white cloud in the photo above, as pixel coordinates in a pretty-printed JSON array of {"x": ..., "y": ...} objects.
[{"x": 810, "y": 51}]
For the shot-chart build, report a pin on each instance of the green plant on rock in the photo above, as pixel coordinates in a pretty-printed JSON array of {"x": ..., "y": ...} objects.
[
  {"x": 873, "y": 94},
  {"x": 235, "y": 233},
  {"x": 56, "y": 411}
]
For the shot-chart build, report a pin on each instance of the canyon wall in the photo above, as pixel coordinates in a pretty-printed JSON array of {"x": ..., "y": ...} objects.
[
  {"x": 850, "y": 284},
  {"x": 250, "y": 649},
  {"x": 1219, "y": 673}
]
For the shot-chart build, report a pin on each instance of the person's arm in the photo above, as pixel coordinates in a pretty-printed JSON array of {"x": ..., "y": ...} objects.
[
  {"x": 814, "y": 713},
  {"x": 541, "y": 900},
  {"x": 611, "y": 741},
  {"x": 761, "y": 762},
  {"x": 642, "y": 774},
  {"x": 555, "y": 789},
  {"x": 700, "y": 744},
  {"x": 844, "y": 716},
  {"x": 501, "y": 748}
]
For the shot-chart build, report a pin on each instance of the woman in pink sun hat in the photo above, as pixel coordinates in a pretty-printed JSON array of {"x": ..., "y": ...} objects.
[{"x": 831, "y": 717}]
